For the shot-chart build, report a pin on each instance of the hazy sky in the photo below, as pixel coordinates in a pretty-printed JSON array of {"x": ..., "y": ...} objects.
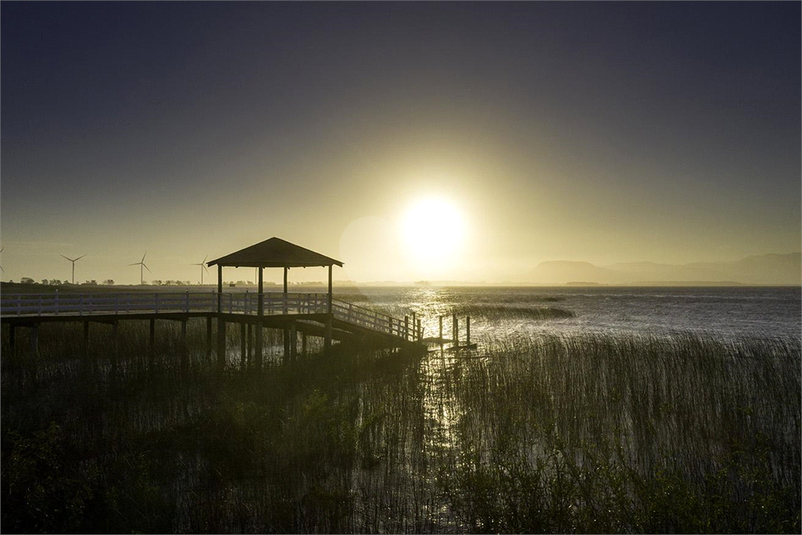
[{"x": 605, "y": 132}]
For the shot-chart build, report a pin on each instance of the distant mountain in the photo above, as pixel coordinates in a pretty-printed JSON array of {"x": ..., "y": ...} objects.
[
  {"x": 775, "y": 269},
  {"x": 564, "y": 271}
]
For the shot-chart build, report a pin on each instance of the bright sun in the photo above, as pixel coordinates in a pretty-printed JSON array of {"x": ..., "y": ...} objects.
[{"x": 433, "y": 231}]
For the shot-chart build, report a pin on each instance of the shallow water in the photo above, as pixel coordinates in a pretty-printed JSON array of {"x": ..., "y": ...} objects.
[{"x": 738, "y": 312}]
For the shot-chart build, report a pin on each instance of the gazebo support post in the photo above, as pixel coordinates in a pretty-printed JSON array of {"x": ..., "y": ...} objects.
[
  {"x": 221, "y": 324},
  {"x": 260, "y": 311},
  {"x": 284, "y": 311},
  {"x": 330, "y": 316}
]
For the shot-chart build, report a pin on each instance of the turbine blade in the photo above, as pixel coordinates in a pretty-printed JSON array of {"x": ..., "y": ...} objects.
[
  {"x": 135, "y": 264},
  {"x": 83, "y": 255},
  {"x": 68, "y": 258},
  {"x": 143, "y": 256},
  {"x": 146, "y": 267},
  {"x": 204, "y": 259}
]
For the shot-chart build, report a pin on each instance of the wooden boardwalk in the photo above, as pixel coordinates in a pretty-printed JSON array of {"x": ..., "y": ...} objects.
[{"x": 307, "y": 313}]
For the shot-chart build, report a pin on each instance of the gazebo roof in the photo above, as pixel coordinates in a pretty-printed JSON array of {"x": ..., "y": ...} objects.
[{"x": 275, "y": 252}]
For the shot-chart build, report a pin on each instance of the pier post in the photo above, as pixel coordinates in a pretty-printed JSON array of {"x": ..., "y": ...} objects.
[
  {"x": 293, "y": 342},
  {"x": 221, "y": 343},
  {"x": 34, "y": 341},
  {"x": 219, "y": 288},
  {"x": 87, "y": 363},
  {"x": 152, "y": 344},
  {"x": 12, "y": 339},
  {"x": 303, "y": 344},
  {"x": 420, "y": 332},
  {"x": 329, "y": 318},
  {"x": 328, "y": 335},
  {"x": 208, "y": 338},
  {"x": 441, "y": 331},
  {"x": 243, "y": 340},
  {"x": 34, "y": 357},
  {"x": 249, "y": 345},
  {"x": 221, "y": 323},
  {"x": 260, "y": 311},
  {"x": 184, "y": 347},
  {"x": 455, "y": 330},
  {"x": 406, "y": 327},
  {"x": 414, "y": 325},
  {"x": 114, "y": 355},
  {"x": 467, "y": 330},
  {"x": 284, "y": 312}
]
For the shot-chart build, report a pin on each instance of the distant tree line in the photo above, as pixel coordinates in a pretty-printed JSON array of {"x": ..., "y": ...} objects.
[{"x": 57, "y": 282}]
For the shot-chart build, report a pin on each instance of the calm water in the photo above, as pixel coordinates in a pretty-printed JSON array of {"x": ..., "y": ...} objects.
[{"x": 718, "y": 312}]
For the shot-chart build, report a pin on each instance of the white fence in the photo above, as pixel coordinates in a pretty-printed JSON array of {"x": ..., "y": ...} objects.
[{"x": 234, "y": 303}]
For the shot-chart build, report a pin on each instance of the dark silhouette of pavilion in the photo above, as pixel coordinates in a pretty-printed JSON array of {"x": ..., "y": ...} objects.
[{"x": 273, "y": 253}]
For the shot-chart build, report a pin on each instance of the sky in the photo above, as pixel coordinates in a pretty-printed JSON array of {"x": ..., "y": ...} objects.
[{"x": 412, "y": 141}]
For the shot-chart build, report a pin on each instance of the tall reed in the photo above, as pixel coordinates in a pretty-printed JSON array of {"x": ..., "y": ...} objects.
[{"x": 605, "y": 433}]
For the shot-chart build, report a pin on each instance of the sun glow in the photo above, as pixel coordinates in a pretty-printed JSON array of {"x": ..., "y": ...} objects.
[{"x": 433, "y": 231}]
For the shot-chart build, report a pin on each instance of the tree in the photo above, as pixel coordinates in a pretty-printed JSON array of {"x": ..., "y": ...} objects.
[
  {"x": 45, "y": 282},
  {"x": 108, "y": 282},
  {"x": 26, "y": 280}
]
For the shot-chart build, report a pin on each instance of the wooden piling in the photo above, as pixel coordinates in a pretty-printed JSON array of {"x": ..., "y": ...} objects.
[
  {"x": 12, "y": 340},
  {"x": 330, "y": 316},
  {"x": 221, "y": 343},
  {"x": 284, "y": 311},
  {"x": 243, "y": 336},
  {"x": 208, "y": 338},
  {"x": 293, "y": 342},
  {"x": 114, "y": 354},
  {"x": 151, "y": 343},
  {"x": 328, "y": 334},
  {"x": 33, "y": 360},
  {"x": 221, "y": 324},
  {"x": 467, "y": 330},
  {"x": 258, "y": 350},
  {"x": 260, "y": 312},
  {"x": 85, "y": 347},
  {"x": 184, "y": 346},
  {"x": 249, "y": 345},
  {"x": 34, "y": 341}
]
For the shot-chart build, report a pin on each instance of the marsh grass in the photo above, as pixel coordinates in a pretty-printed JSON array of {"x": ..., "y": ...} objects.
[
  {"x": 501, "y": 312},
  {"x": 627, "y": 433},
  {"x": 535, "y": 434}
]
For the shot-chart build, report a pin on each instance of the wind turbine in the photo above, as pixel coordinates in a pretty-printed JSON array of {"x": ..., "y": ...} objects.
[
  {"x": 141, "y": 265},
  {"x": 203, "y": 267},
  {"x": 73, "y": 260}
]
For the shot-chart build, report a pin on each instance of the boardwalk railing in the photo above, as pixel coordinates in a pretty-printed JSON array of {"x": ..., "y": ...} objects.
[{"x": 50, "y": 304}]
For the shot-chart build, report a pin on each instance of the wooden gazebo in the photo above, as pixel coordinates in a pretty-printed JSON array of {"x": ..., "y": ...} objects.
[{"x": 273, "y": 253}]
